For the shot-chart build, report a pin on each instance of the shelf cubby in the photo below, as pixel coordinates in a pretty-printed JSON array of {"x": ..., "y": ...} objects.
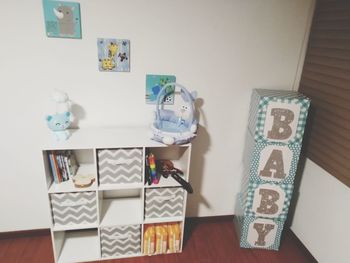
[
  {"x": 76, "y": 245},
  {"x": 121, "y": 207}
]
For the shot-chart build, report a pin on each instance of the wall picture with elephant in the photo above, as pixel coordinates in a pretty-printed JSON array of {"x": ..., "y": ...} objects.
[{"x": 62, "y": 19}]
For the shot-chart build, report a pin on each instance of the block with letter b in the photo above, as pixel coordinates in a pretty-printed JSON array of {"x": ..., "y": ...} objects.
[
  {"x": 267, "y": 200},
  {"x": 278, "y": 115}
]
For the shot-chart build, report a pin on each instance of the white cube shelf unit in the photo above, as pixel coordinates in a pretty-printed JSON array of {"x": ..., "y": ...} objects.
[{"x": 107, "y": 219}]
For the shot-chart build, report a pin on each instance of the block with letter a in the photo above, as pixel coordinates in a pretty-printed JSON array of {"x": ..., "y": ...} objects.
[{"x": 270, "y": 162}]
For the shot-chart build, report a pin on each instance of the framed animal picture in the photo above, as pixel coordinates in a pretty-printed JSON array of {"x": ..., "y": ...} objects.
[
  {"x": 62, "y": 19},
  {"x": 154, "y": 83},
  {"x": 113, "y": 55}
]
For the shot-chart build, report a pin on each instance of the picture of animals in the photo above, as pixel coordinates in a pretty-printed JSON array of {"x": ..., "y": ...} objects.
[
  {"x": 154, "y": 83},
  {"x": 62, "y": 19},
  {"x": 113, "y": 54}
]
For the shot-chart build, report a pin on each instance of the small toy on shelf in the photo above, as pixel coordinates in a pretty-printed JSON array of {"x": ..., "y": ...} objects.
[
  {"x": 60, "y": 121},
  {"x": 166, "y": 168},
  {"x": 83, "y": 180},
  {"x": 152, "y": 168},
  {"x": 59, "y": 124}
]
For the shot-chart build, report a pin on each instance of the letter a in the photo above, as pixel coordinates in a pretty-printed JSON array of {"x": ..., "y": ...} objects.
[
  {"x": 275, "y": 162},
  {"x": 263, "y": 230},
  {"x": 280, "y": 128},
  {"x": 268, "y": 200}
]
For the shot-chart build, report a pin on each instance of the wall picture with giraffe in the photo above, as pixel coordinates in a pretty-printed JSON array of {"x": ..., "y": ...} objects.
[{"x": 113, "y": 54}]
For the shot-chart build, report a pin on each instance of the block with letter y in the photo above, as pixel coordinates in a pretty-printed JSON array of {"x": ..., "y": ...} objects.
[{"x": 257, "y": 232}]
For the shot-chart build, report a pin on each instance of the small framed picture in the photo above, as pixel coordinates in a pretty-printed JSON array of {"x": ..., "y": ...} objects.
[
  {"x": 154, "y": 83},
  {"x": 113, "y": 55},
  {"x": 62, "y": 19}
]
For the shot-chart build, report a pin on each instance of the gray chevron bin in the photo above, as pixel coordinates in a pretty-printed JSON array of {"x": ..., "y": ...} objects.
[
  {"x": 74, "y": 208},
  {"x": 120, "y": 240},
  {"x": 164, "y": 202},
  {"x": 119, "y": 166}
]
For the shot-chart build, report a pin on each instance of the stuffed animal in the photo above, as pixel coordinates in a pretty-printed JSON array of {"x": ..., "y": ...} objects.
[
  {"x": 183, "y": 114},
  {"x": 61, "y": 100},
  {"x": 59, "y": 123},
  {"x": 62, "y": 118}
]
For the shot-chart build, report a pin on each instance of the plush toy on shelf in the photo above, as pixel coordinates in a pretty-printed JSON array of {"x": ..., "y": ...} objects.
[{"x": 60, "y": 121}]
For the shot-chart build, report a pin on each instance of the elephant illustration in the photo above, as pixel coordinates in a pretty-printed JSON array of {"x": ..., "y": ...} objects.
[{"x": 65, "y": 19}]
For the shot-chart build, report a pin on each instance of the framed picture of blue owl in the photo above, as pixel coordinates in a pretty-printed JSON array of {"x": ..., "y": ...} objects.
[
  {"x": 154, "y": 83},
  {"x": 62, "y": 19}
]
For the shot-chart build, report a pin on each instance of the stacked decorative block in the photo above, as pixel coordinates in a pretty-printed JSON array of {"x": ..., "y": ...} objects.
[{"x": 273, "y": 142}]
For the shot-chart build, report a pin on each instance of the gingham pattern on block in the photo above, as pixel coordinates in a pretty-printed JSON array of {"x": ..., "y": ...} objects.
[
  {"x": 288, "y": 97},
  {"x": 288, "y": 189},
  {"x": 255, "y": 161},
  {"x": 245, "y": 229}
]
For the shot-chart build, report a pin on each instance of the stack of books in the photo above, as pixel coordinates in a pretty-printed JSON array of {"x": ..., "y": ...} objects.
[
  {"x": 273, "y": 143},
  {"x": 63, "y": 165}
]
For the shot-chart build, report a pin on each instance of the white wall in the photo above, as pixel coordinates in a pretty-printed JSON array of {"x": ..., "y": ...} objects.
[
  {"x": 223, "y": 49},
  {"x": 321, "y": 219}
]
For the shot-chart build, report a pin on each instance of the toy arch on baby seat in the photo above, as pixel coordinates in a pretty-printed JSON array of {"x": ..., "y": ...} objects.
[{"x": 170, "y": 128}]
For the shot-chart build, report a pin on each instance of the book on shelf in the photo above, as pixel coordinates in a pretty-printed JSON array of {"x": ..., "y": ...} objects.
[{"x": 63, "y": 165}]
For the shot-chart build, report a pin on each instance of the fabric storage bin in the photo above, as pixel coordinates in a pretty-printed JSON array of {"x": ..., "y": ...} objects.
[
  {"x": 164, "y": 202},
  {"x": 120, "y": 240},
  {"x": 119, "y": 166},
  {"x": 74, "y": 208}
]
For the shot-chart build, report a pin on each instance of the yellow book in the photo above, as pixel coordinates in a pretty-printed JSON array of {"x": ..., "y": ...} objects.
[{"x": 148, "y": 240}]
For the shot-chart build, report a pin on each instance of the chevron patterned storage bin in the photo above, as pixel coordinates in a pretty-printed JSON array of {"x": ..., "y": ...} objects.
[
  {"x": 278, "y": 116},
  {"x": 120, "y": 166},
  {"x": 74, "y": 208},
  {"x": 120, "y": 240},
  {"x": 270, "y": 162},
  {"x": 164, "y": 202}
]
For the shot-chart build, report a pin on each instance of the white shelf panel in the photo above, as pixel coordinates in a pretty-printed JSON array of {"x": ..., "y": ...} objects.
[
  {"x": 122, "y": 211},
  {"x": 103, "y": 187},
  {"x": 74, "y": 227},
  {"x": 89, "y": 138},
  {"x": 80, "y": 246},
  {"x": 164, "y": 182},
  {"x": 164, "y": 220},
  {"x": 68, "y": 186}
]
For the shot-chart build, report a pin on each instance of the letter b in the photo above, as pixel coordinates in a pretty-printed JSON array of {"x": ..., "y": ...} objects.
[{"x": 281, "y": 129}]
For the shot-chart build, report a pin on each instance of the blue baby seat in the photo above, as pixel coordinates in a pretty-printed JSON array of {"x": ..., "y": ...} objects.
[{"x": 170, "y": 127}]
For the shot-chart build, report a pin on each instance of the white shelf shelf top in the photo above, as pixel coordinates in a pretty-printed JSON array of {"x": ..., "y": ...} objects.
[
  {"x": 80, "y": 246},
  {"x": 164, "y": 182},
  {"x": 122, "y": 211},
  {"x": 164, "y": 220},
  {"x": 74, "y": 227},
  {"x": 88, "y": 138},
  {"x": 103, "y": 187},
  {"x": 68, "y": 186}
]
